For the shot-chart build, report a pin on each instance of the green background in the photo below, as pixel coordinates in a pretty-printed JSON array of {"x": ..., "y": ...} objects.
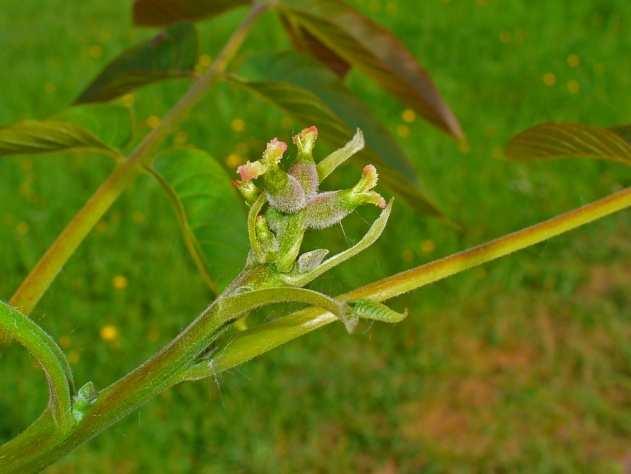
[{"x": 522, "y": 365}]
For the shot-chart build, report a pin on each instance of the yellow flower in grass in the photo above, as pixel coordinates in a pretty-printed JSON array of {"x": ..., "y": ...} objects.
[
  {"x": 128, "y": 100},
  {"x": 427, "y": 246},
  {"x": 119, "y": 282},
  {"x": 153, "y": 121},
  {"x": 238, "y": 125},
  {"x": 573, "y": 86},
  {"x": 233, "y": 160},
  {"x": 22, "y": 228},
  {"x": 95, "y": 51},
  {"x": 407, "y": 255},
  {"x": 109, "y": 333},
  {"x": 573, "y": 60},
  {"x": 403, "y": 131},
  {"x": 65, "y": 342},
  {"x": 549, "y": 79},
  {"x": 408, "y": 116},
  {"x": 73, "y": 357}
]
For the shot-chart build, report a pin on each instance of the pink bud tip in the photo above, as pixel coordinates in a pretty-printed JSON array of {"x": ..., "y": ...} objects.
[
  {"x": 247, "y": 172},
  {"x": 381, "y": 203},
  {"x": 309, "y": 134},
  {"x": 276, "y": 145},
  {"x": 310, "y": 130},
  {"x": 369, "y": 170}
]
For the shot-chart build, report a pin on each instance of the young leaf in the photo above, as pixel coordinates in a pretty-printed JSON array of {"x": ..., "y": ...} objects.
[
  {"x": 375, "y": 51},
  {"x": 558, "y": 140},
  {"x": 172, "y": 53},
  {"x": 112, "y": 123},
  {"x": 305, "y": 42},
  {"x": 47, "y": 136},
  {"x": 165, "y": 12},
  {"x": 375, "y": 231},
  {"x": 213, "y": 211},
  {"x": 305, "y": 106}
]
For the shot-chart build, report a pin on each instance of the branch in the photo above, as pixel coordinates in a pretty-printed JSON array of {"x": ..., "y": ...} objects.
[{"x": 41, "y": 277}]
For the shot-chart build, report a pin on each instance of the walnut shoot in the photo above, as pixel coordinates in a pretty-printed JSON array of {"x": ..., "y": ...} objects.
[{"x": 285, "y": 202}]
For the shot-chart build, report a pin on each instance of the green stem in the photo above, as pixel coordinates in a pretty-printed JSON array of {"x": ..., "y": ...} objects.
[
  {"x": 50, "y": 357},
  {"x": 41, "y": 277},
  {"x": 254, "y": 342}
]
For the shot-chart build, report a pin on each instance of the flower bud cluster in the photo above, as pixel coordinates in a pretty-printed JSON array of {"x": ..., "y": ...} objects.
[{"x": 295, "y": 202}]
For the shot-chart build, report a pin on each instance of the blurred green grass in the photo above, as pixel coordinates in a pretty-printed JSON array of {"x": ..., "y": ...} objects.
[{"x": 523, "y": 365}]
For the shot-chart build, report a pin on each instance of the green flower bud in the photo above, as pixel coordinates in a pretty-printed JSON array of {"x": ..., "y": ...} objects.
[
  {"x": 265, "y": 236},
  {"x": 295, "y": 205},
  {"x": 284, "y": 192},
  {"x": 290, "y": 240},
  {"x": 327, "y": 209},
  {"x": 251, "y": 170},
  {"x": 307, "y": 175},
  {"x": 304, "y": 169},
  {"x": 305, "y": 141},
  {"x": 247, "y": 189}
]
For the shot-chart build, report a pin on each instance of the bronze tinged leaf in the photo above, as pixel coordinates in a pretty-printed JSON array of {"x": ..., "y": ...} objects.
[
  {"x": 166, "y": 12},
  {"x": 374, "y": 50}
]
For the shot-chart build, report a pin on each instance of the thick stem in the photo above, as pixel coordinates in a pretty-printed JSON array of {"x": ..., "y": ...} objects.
[
  {"x": 120, "y": 399},
  {"x": 41, "y": 277},
  {"x": 157, "y": 374}
]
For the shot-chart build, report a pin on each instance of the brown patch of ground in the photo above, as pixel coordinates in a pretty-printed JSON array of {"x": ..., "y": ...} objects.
[{"x": 603, "y": 280}]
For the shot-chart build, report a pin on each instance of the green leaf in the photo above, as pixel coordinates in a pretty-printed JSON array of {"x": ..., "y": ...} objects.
[
  {"x": 313, "y": 95},
  {"x": 375, "y": 51},
  {"x": 215, "y": 218},
  {"x": 559, "y": 140},
  {"x": 48, "y": 136},
  {"x": 165, "y": 12},
  {"x": 112, "y": 123},
  {"x": 172, "y": 53}
]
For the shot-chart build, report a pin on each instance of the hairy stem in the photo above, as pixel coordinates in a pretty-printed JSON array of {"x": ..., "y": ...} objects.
[
  {"x": 152, "y": 377},
  {"x": 41, "y": 277}
]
